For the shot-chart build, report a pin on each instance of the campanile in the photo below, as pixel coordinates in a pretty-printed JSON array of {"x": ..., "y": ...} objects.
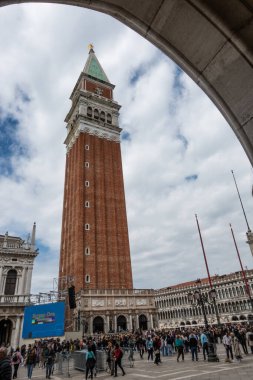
[{"x": 94, "y": 241}]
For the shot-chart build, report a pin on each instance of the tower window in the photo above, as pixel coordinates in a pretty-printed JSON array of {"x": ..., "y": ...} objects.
[
  {"x": 87, "y": 278},
  {"x": 89, "y": 111},
  {"x": 87, "y": 164},
  {"x": 87, "y": 183},
  {"x": 87, "y": 251},
  {"x": 87, "y": 147},
  {"x": 87, "y": 227},
  {"x": 109, "y": 118},
  {"x": 102, "y": 116},
  {"x": 87, "y": 204},
  {"x": 96, "y": 114}
]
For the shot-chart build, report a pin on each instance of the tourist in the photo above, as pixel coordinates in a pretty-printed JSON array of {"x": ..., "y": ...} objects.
[
  {"x": 5, "y": 365},
  {"x": 30, "y": 360},
  {"x": 179, "y": 344},
  {"x": 50, "y": 358},
  {"x": 193, "y": 343},
  {"x": 150, "y": 348},
  {"x": 118, "y": 354},
  {"x": 236, "y": 347},
  {"x": 170, "y": 343},
  {"x": 15, "y": 361},
  {"x": 204, "y": 343},
  {"x": 249, "y": 336},
  {"x": 227, "y": 341},
  {"x": 90, "y": 362}
]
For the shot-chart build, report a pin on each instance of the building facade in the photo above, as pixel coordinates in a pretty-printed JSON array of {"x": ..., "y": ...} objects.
[
  {"x": 94, "y": 243},
  {"x": 114, "y": 310},
  {"x": 16, "y": 266},
  {"x": 233, "y": 303}
]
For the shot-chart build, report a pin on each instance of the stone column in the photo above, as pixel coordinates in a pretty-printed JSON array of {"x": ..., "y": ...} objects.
[
  {"x": 17, "y": 330},
  {"x": 130, "y": 322},
  {"x": 151, "y": 321},
  {"x": 115, "y": 323},
  {"x": 1, "y": 280},
  {"x": 107, "y": 323},
  {"x": 21, "y": 282},
  {"x": 136, "y": 322},
  {"x": 90, "y": 325},
  {"x": 28, "y": 280},
  {"x": 3, "y": 284}
]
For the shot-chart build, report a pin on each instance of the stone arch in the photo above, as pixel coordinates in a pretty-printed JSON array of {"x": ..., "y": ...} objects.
[
  {"x": 121, "y": 323},
  {"x": 6, "y": 327},
  {"x": 211, "y": 45},
  {"x": 98, "y": 324},
  {"x": 143, "y": 322}
]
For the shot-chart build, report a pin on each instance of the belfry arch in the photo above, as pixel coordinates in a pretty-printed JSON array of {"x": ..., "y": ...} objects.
[{"x": 211, "y": 45}]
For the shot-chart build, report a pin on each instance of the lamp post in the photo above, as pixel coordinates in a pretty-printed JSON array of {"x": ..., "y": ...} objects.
[{"x": 198, "y": 298}]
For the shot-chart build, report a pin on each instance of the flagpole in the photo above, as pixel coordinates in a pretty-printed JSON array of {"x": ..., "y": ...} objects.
[
  {"x": 209, "y": 277},
  {"x": 243, "y": 271},
  {"x": 204, "y": 253},
  {"x": 246, "y": 220}
]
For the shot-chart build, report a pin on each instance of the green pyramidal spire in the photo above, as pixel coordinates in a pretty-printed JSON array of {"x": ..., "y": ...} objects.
[{"x": 93, "y": 67}]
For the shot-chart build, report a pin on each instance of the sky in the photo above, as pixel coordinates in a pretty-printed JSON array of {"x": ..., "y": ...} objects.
[{"x": 177, "y": 149}]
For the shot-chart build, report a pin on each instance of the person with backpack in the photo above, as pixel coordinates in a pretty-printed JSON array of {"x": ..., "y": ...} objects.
[
  {"x": 193, "y": 343},
  {"x": 90, "y": 362},
  {"x": 118, "y": 354},
  {"x": 16, "y": 359}
]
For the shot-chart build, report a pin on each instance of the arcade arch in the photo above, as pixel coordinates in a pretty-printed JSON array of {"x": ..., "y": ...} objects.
[
  {"x": 211, "y": 45},
  {"x": 98, "y": 324}
]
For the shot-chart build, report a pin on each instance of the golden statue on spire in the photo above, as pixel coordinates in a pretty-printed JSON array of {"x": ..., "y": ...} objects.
[{"x": 90, "y": 46}]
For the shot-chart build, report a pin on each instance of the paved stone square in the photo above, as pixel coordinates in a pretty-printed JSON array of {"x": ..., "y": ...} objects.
[{"x": 169, "y": 369}]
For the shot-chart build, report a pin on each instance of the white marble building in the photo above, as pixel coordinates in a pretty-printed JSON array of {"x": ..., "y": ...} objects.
[
  {"x": 233, "y": 302},
  {"x": 16, "y": 266}
]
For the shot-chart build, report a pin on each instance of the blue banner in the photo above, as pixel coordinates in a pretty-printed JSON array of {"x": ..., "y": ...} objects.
[{"x": 41, "y": 321}]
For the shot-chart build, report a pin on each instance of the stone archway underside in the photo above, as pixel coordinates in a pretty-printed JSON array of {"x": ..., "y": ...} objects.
[{"x": 211, "y": 40}]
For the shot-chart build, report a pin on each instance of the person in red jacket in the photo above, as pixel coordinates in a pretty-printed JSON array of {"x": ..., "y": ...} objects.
[{"x": 118, "y": 354}]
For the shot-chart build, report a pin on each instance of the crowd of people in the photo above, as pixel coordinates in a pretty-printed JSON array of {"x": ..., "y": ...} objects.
[{"x": 153, "y": 345}]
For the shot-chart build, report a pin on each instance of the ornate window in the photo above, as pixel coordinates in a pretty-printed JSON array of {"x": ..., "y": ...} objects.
[
  {"x": 87, "y": 147},
  {"x": 96, "y": 114},
  {"x": 87, "y": 227},
  {"x": 87, "y": 183},
  {"x": 87, "y": 204},
  {"x": 102, "y": 116},
  {"x": 10, "y": 284},
  {"x": 87, "y": 164},
  {"x": 89, "y": 111},
  {"x": 109, "y": 118}
]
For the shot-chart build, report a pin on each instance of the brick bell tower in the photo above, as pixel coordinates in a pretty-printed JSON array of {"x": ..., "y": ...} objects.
[{"x": 94, "y": 241}]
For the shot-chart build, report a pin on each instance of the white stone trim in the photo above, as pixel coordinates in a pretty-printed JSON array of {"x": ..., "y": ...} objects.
[{"x": 91, "y": 129}]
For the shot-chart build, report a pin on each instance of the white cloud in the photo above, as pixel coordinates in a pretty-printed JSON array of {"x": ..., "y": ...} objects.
[{"x": 175, "y": 132}]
